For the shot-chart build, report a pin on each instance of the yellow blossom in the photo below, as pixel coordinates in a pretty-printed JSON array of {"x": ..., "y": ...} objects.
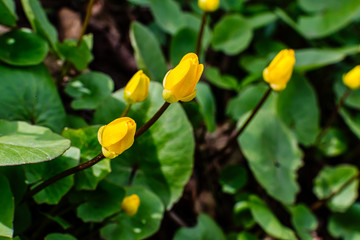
[
  {"x": 180, "y": 82},
  {"x": 117, "y": 136},
  {"x": 352, "y": 78},
  {"x": 279, "y": 72},
  {"x": 131, "y": 204},
  {"x": 137, "y": 88},
  {"x": 208, "y": 5}
]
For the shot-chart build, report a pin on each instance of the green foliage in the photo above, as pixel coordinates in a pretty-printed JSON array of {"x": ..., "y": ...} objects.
[
  {"x": 304, "y": 221},
  {"x": 22, "y": 143},
  {"x": 89, "y": 89},
  {"x": 346, "y": 225},
  {"x": 152, "y": 62},
  {"x": 7, "y": 209},
  {"x": 165, "y": 164},
  {"x": 206, "y": 102},
  {"x": 143, "y": 224},
  {"x": 206, "y": 229},
  {"x": 8, "y": 15},
  {"x": 36, "y": 101},
  {"x": 232, "y": 178}
]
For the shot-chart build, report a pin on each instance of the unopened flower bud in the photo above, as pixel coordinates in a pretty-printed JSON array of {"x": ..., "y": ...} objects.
[
  {"x": 131, "y": 204},
  {"x": 137, "y": 89}
]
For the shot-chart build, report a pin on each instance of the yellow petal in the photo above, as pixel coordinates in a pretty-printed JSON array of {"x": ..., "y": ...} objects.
[
  {"x": 108, "y": 154},
  {"x": 189, "y": 97},
  {"x": 169, "y": 96},
  {"x": 352, "y": 78},
  {"x": 114, "y": 132},
  {"x": 100, "y": 131},
  {"x": 131, "y": 204}
]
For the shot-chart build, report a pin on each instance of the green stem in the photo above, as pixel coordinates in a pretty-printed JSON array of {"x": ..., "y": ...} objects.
[
  {"x": 126, "y": 110},
  {"x": 201, "y": 33},
  {"x": 67, "y": 65},
  {"x": 333, "y": 116}
]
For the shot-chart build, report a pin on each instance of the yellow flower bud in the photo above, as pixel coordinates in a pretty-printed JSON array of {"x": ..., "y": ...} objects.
[
  {"x": 131, "y": 204},
  {"x": 117, "y": 136},
  {"x": 352, "y": 78},
  {"x": 180, "y": 82},
  {"x": 279, "y": 72},
  {"x": 208, "y": 5},
  {"x": 137, "y": 88}
]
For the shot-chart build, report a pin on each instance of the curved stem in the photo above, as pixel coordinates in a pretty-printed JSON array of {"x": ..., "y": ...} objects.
[
  {"x": 149, "y": 123},
  {"x": 201, "y": 33},
  {"x": 126, "y": 110},
  {"x": 64, "y": 174},
  {"x": 333, "y": 116},
  {"x": 236, "y": 134},
  {"x": 322, "y": 202}
]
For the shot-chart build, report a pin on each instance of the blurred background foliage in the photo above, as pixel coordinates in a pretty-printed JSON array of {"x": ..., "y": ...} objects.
[{"x": 277, "y": 182}]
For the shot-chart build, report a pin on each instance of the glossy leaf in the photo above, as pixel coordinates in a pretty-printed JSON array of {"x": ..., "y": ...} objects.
[
  {"x": 320, "y": 5},
  {"x": 30, "y": 94},
  {"x": 37, "y": 173},
  {"x": 39, "y": 21},
  {"x": 333, "y": 179},
  {"x": 222, "y": 81},
  {"x": 275, "y": 166},
  {"x": 262, "y": 19},
  {"x": 232, "y": 34},
  {"x": 246, "y": 236},
  {"x": 183, "y": 42},
  {"x": 59, "y": 236},
  {"x": 22, "y": 47},
  {"x": 165, "y": 163},
  {"x": 232, "y": 178},
  {"x": 268, "y": 221},
  {"x": 103, "y": 202},
  {"x": 206, "y": 100},
  {"x": 352, "y": 120},
  {"x": 307, "y": 59},
  {"x": 89, "y": 89},
  {"x": 80, "y": 55},
  {"x": 86, "y": 140},
  {"x": 7, "y": 209},
  {"x": 304, "y": 221},
  {"x": 206, "y": 229},
  {"x": 298, "y": 108},
  {"x": 346, "y": 225},
  {"x": 8, "y": 15},
  {"x": 140, "y": 226},
  {"x": 168, "y": 15},
  {"x": 153, "y": 62},
  {"x": 353, "y": 100},
  {"x": 333, "y": 143},
  {"x": 22, "y": 143}
]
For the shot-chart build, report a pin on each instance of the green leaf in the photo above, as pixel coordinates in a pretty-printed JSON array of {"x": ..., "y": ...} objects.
[
  {"x": 148, "y": 53},
  {"x": 168, "y": 15},
  {"x": 89, "y": 89},
  {"x": 253, "y": 64},
  {"x": 353, "y": 100},
  {"x": 242, "y": 213},
  {"x": 232, "y": 178},
  {"x": 183, "y": 42},
  {"x": 86, "y": 140},
  {"x": 268, "y": 221},
  {"x": 232, "y": 34},
  {"x": 22, "y": 143},
  {"x": 206, "y": 229},
  {"x": 140, "y": 226},
  {"x": 8, "y": 15},
  {"x": 304, "y": 221},
  {"x": 272, "y": 154},
  {"x": 346, "y": 225},
  {"x": 30, "y": 94},
  {"x": 352, "y": 120},
  {"x": 222, "y": 81},
  {"x": 330, "y": 21},
  {"x": 22, "y": 47},
  {"x": 193, "y": 22},
  {"x": 7, "y": 209},
  {"x": 39, "y": 21},
  {"x": 298, "y": 108},
  {"x": 80, "y": 55},
  {"x": 319, "y": 5},
  {"x": 206, "y": 100},
  {"x": 312, "y": 58},
  {"x": 59, "y": 236},
  {"x": 245, "y": 101},
  {"x": 246, "y": 236},
  {"x": 103, "y": 202},
  {"x": 37, "y": 173},
  {"x": 331, "y": 180},
  {"x": 334, "y": 143},
  {"x": 165, "y": 163},
  {"x": 262, "y": 19}
]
